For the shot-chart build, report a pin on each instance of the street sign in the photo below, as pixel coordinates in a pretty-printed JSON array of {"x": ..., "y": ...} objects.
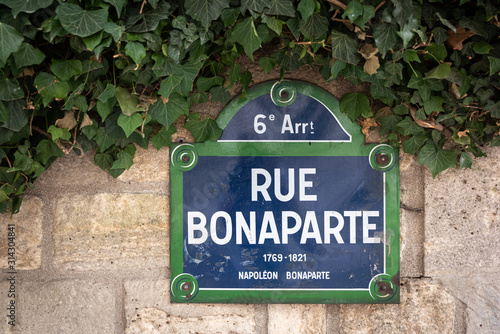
[{"x": 288, "y": 206}]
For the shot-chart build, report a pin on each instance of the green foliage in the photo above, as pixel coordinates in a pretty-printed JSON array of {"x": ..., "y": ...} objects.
[{"x": 112, "y": 74}]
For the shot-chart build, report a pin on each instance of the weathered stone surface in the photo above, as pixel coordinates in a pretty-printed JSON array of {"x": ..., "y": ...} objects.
[
  {"x": 296, "y": 318},
  {"x": 28, "y": 235},
  {"x": 148, "y": 310},
  {"x": 112, "y": 231},
  {"x": 73, "y": 172},
  {"x": 149, "y": 165},
  {"x": 462, "y": 233},
  {"x": 153, "y": 320},
  {"x": 411, "y": 216},
  {"x": 480, "y": 292},
  {"x": 73, "y": 306},
  {"x": 425, "y": 308},
  {"x": 462, "y": 216}
]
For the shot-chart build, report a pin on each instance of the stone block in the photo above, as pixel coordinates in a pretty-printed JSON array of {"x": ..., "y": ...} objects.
[
  {"x": 425, "y": 308},
  {"x": 111, "y": 231},
  {"x": 297, "y": 318},
  {"x": 150, "y": 165},
  {"x": 462, "y": 215},
  {"x": 480, "y": 293},
  {"x": 411, "y": 240},
  {"x": 28, "y": 234},
  {"x": 72, "y": 306},
  {"x": 73, "y": 172},
  {"x": 148, "y": 310}
]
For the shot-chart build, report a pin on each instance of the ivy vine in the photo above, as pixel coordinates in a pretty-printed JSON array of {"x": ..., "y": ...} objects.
[{"x": 104, "y": 75}]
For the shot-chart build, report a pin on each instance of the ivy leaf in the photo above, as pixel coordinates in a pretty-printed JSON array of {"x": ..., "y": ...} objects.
[
  {"x": 205, "y": 11},
  {"x": 354, "y": 104},
  {"x": 103, "y": 139},
  {"x": 245, "y": 33},
  {"x": 344, "y": 48},
  {"x": 57, "y": 133},
  {"x": 273, "y": 24},
  {"x": 187, "y": 72},
  {"x": 410, "y": 55},
  {"x": 385, "y": 37},
  {"x": 204, "y": 84},
  {"x": 493, "y": 108},
  {"x": 315, "y": 26},
  {"x": 27, "y": 6},
  {"x": 424, "y": 86},
  {"x": 27, "y": 55},
  {"x": 306, "y": 8},
  {"x": 401, "y": 109},
  {"x": 440, "y": 72},
  {"x": 412, "y": 145},
  {"x": 163, "y": 137},
  {"x": 148, "y": 20},
  {"x": 11, "y": 41},
  {"x": 166, "y": 111},
  {"x": 81, "y": 22},
  {"x": 103, "y": 160},
  {"x": 10, "y": 89},
  {"x": 336, "y": 68},
  {"x": 17, "y": 117},
  {"x": 434, "y": 103},
  {"x": 115, "y": 30},
  {"x": 108, "y": 93},
  {"x": 4, "y": 113},
  {"x": 482, "y": 48},
  {"x": 280, "y": 7},
  {"x": 136, "y": 51},
  {"x": 440, "y": 35},
  {"x": 220, "y": 94},
  {"x": 353, "y": 10},
  {"x": 267, "y": 64},
  {"x": 203, "y": 130},
  {"x": 436, "y": 159},
  {"x": 229, "y": 16},
  {"x": 293, "y": 25},
  {"x": 168, "y": 85},
  {"x": 118, "y": 4},
  {"x": 255, "y": 5},
  {"x": 127, "y": 102},
  {"x": 129, "y": 122},
  {"x": 403, "y": 11},
  {"x": 66, "y": 69},
  {"x": 125, "y": 157},
  {"x": 389, "y": 123},
  {"x": 408, "y": 127},
  {"x": 106, "y": 108},
  {"x": 465, "y": 160},
  {"x": 494, "y": 65},
  {"x": 49, "y": 87}
]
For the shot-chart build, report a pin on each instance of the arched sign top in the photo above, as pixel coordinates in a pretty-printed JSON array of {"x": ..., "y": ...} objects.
[{"x": 287, "y": 111}]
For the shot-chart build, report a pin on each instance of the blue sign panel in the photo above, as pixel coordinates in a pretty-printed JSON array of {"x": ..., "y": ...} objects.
[
  {"x": 285, "y": 216},
  {"x": 280, "y": 212}
]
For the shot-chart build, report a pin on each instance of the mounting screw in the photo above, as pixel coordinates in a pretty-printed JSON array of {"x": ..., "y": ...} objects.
[
  {"x": 384, "y": 288},
  {"x": 185, "y": 158},
  {"x": 186, "y": 286},
  {"x": 382, "y": 159}
]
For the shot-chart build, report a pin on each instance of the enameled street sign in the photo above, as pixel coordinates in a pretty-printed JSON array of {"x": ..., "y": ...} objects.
[{"x": 288, "y": 206}]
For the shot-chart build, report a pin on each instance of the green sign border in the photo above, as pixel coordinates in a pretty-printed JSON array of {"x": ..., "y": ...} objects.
[{"x": 376, "y": 293}]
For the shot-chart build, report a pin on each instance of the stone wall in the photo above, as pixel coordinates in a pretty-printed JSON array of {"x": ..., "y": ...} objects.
[{"x": 93, "y": 255}]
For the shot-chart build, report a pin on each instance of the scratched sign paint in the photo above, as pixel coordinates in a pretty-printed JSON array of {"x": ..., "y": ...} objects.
[{"x": 288, "y": 206}]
